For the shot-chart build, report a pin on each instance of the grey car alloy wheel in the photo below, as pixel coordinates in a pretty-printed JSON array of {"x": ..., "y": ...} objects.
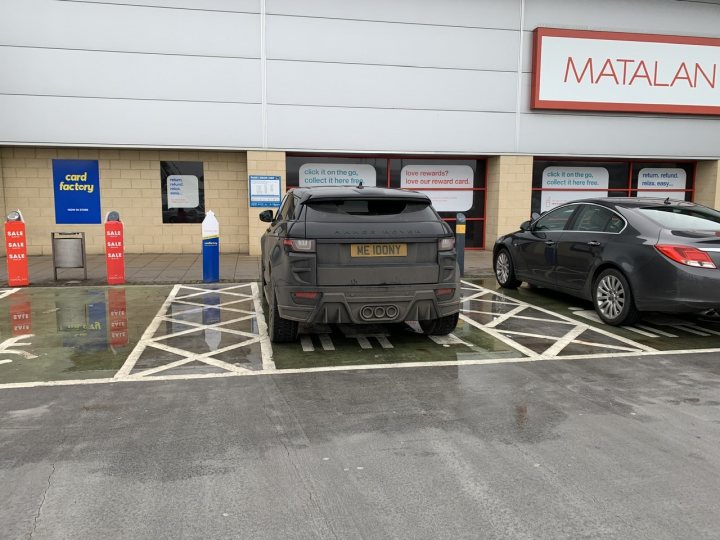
[
  {"x": 502, "y": 267},
  {"x": 611, "y": 296}
]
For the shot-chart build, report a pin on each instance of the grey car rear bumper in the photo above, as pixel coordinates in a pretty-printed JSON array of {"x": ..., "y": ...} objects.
[{"x": 366, "y": 305}]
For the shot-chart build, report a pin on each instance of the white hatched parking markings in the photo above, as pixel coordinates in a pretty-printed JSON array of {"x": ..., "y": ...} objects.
[
  {"x": 239, "y": 303},
  {"x": 511, "y": 310},
  {"x": 653, "y": 331},
  {"x": 4, "y": 293}
]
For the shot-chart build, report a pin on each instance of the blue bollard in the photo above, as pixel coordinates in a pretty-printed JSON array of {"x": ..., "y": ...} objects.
[{"x": 211, "y": 248}]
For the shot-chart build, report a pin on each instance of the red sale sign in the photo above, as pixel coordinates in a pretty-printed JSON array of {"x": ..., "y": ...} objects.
[
  {"x": 114, "y": 252},
  {"x": 16, "y": 249}
]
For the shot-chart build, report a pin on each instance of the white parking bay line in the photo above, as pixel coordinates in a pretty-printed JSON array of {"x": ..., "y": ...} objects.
[
  {"x": 8, "y": 292},
  {"x": 132, "y": 358},
  {"x": 306, "y": 343},
  {"x": 149, "y": 339},
  {"x": 703, "y": 329},
  {"x": 655, "y": 330},
  {"x": 638, "y": 331},
  {"x": 367, "y": 367},
  {"x": 326, "y": 342},
  {"x": 690, "y": 330}
]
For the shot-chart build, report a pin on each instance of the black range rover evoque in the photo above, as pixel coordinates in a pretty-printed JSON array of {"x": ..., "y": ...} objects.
[{"x": 358, "y": 255}]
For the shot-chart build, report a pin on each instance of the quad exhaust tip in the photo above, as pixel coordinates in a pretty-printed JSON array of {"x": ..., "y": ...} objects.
[{"x": 374, "y": 313}]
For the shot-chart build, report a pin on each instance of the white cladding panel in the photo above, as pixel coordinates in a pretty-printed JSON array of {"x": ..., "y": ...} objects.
[
  {"x": 50, "y": 120},
  {"x": 390, "y": 130},
  {"x": 390, "y": 76},
  {"x": 58, "y": 72},
  {"x": 688, "y": 18},
  {"x": 347, "y": 85},
  {"x": 395, "y": 44},
  {"x": 477, "y": 13},
  {"x": 128, "y": 28},
  {"x": 237, "y": 6}
]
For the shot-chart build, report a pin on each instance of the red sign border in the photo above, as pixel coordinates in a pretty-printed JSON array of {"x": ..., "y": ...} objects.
[{"x": 537, "y": 103}]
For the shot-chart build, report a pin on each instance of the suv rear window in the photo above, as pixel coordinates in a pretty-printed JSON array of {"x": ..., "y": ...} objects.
[
  {"x": 672, "y": 217},
  {"x": 412, "y": 210}
]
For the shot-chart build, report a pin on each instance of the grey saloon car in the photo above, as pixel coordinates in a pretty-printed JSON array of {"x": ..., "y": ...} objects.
[
  {"x": 626, "y": 255},
  {"x": 358, "y": 255}
]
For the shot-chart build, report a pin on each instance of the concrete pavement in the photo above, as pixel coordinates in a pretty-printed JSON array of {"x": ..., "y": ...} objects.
[{"x": 164, "y": 268}]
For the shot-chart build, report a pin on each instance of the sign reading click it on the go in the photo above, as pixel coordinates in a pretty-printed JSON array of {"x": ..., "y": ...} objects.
[
  {"x": 565, "y": 184},
  {"x": 611, "y": 71}
]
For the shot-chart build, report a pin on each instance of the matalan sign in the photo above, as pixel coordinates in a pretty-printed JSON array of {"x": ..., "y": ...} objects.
[{"x": 611, "y": 71}]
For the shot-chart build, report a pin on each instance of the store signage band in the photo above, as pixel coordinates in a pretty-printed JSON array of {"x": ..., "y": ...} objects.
[{"x": 612, "y": 71}]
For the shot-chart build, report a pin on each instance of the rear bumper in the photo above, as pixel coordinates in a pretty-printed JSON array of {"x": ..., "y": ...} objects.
[
  {"x": 673, "y": 287},
  {"x": 353, "y": 304}
]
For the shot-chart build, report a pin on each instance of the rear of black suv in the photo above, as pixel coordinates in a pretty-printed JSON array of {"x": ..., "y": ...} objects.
[{"x": 359, "y": 255}]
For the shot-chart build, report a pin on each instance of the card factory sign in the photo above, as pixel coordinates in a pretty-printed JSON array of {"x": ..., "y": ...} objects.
[{"x": 610, "y": 71}]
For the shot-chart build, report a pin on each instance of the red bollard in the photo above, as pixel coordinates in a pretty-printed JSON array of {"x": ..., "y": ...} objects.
[
  {"x": 16, "y": 249},
  {"x": 114, "y": 249}
]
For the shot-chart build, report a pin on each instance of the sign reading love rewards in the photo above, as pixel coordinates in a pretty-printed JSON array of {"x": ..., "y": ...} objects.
[{"x": 77, "y": 191}]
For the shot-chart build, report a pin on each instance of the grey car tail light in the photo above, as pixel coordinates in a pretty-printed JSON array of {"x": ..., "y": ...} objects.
[
  {"x": 300, "y": 244},
  {"x": 687, "y": 255},
  {"x": 446, "y": 244}
]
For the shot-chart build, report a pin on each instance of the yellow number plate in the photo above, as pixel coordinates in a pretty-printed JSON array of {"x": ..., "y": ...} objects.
[{"x": 378, "y": 250}]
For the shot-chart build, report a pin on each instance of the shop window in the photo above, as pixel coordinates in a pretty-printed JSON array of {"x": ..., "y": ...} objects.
[
  {"x": 453, "y": 185},
  {"x": 183, "y": 191},
  {"x": 559, "y": 182},
  {"x": 318, "y": 171}
]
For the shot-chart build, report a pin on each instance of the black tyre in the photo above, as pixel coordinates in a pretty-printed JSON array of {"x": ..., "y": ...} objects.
[
  {"x": 281, "y": 330},
  {"x": 441, "y": 326},
  {"x": 505, "y": 271},
  {"x": 613, "y": 298}
]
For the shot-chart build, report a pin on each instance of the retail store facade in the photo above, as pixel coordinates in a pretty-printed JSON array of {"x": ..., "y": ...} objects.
[{"x": 495, "y": 108}]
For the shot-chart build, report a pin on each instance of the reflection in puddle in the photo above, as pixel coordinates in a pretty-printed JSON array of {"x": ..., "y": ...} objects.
[
  {"x": 99, "y": 323},
  {"x": 71, "y": 333}
]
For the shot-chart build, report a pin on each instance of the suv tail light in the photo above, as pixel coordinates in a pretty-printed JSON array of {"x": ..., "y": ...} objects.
[
  {"x": 446, "y": 244},
  {"x": 687, "y": 255},
  {"x": 299, "y": 244}
]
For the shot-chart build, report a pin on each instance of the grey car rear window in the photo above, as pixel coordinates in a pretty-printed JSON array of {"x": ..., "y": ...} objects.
[
  {"x": 672, "y": 217},
  {"x": 398, "y": 208}
]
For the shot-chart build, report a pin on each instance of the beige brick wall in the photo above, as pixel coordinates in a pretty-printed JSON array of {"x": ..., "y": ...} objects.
[
  {"x": 707, "y": 183},
  {"x": 130, "y": 184},
  {"x": 509, "y": 195},
  {"x": 269, "y": 164}
]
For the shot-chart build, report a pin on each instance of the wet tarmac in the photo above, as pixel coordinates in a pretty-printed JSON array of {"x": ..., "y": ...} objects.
[
  {"x": 119, "y": 333},
  {"x": 594, "y": 448}
]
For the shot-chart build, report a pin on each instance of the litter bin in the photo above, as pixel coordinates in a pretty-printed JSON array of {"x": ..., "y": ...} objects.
[{"x": 68, "y": 249}]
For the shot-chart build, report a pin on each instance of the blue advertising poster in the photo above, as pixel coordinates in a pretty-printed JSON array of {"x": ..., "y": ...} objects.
[{"x": 76, "y": 184}]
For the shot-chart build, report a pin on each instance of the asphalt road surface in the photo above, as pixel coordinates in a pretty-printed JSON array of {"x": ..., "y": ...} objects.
[{"x": 616, "y": 448}]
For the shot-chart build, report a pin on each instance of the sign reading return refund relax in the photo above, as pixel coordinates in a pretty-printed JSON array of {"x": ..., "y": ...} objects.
[
  {"x": 610, "y": 71},
  {"x": 76, "y": 185}
]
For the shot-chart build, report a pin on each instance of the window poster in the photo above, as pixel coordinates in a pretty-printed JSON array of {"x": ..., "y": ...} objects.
[
  {"x": 565, "y": 184},
  {"x": 183, "y": 191}
]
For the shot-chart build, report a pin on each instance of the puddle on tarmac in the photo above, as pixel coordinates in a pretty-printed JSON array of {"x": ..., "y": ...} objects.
[
  {"x": 353, "y": 345},
  {"x": 72, "y": 333}
]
